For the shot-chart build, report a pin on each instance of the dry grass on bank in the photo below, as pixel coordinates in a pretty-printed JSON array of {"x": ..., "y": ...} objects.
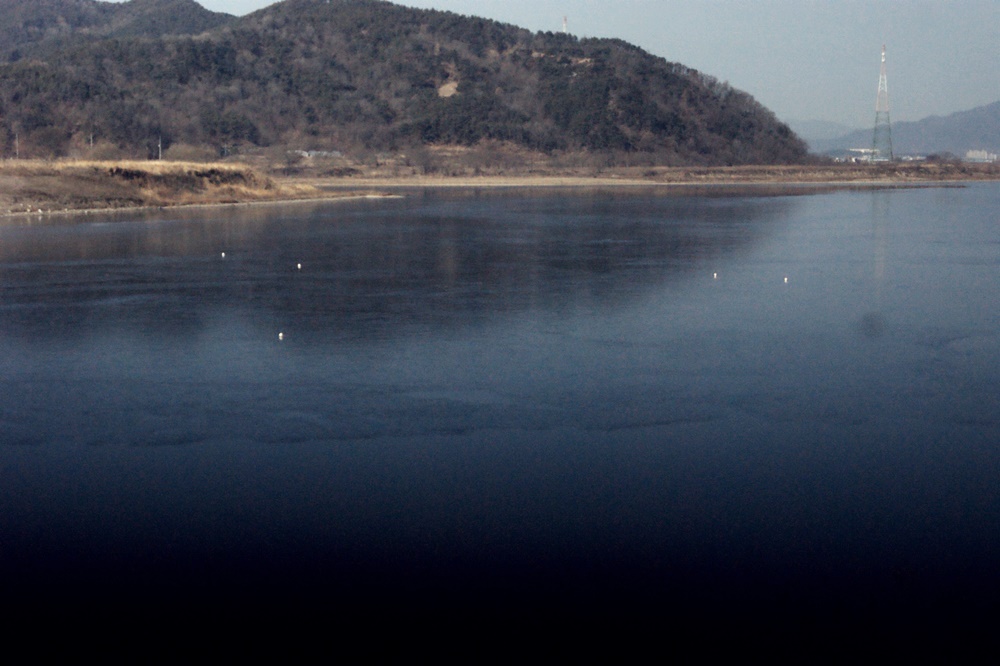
[
  {"x": 833, "y": 173},
  {"x": 818, "y": 174},
  {"x": 33, "y": 186},
  {"x": 40, "y": 186}
]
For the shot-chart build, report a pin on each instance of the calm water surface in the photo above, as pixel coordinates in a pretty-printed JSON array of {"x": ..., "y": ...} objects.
[{"x": 549, "y": 402}]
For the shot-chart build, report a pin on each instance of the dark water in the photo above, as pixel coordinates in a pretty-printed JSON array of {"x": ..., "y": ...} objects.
[{"x": 605, "y": 407}]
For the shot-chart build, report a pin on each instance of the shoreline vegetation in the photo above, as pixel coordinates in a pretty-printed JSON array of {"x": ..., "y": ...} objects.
[
  {"x": 38, "y": 187},
  {"x": 29, "y": 187}
]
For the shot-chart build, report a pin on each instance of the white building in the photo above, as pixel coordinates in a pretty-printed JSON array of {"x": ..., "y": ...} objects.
[{"x": 980, "y": 156}]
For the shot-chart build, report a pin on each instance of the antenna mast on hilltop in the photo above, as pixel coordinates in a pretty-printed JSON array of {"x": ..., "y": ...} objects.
[
  {"x": 882, "y": 136},
  {"x": 565, "y": 25}
]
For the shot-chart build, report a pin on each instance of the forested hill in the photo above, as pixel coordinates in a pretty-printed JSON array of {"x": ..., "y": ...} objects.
[
  {"x": 28, "y": 27},
  {"x": 362, "y": 75}
]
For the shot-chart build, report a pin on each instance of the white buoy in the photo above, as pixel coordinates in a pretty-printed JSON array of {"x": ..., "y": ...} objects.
[
  {"x": 299, "y": 266},
  {"x": 715, "y": 276},
  {"x": 786, "y": 280},
  {"x": 223, "y": 255},
  {"x": 281, "y": 336}
]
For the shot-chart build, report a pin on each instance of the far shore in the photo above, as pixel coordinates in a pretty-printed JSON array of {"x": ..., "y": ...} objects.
[
  {"x": 46, "y": 188},
  {"x": 584, "y": 182},
  {"x": 818, "y": 174}
]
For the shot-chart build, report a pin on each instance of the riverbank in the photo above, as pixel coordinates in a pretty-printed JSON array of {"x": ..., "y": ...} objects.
[
  {"x": 36, "y": 187},
  {"x": 819, "y": 174},
  {"x": 40, "y": 187}
]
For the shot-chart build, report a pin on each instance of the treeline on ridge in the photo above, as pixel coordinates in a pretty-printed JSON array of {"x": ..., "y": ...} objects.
[{"x": 365, "y": 75}]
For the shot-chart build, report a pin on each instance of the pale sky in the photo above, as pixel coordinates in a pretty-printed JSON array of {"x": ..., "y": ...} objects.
[{"x": 803, "y": 59}]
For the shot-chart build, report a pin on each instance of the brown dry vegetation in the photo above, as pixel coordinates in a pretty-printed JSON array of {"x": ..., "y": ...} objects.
[
  {"x": 44, "y": 186},
  {"x": 37, "y": 186},
  {"x": 498, "y": 161},
  {"x": 457, "y": 167},
  {"x": 895, "y": 172}
]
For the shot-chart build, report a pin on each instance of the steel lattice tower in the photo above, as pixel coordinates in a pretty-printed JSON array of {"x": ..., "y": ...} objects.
[{"x": 882, "y": 137}]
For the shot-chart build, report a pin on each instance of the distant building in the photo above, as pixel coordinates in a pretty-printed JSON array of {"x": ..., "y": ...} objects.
[
  {"x": 862, "y": 154},
  {"x": 980, "y": 156}
]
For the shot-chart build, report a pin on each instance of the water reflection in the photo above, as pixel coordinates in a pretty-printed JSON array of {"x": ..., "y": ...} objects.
[
  {"x": 873, "y": 323},
  {"x": 365, "y": 269},
  {"x": 615, "y": 398}
]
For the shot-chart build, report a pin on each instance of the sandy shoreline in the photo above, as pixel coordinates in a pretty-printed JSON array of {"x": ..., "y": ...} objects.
[{"x": 37, "y": 202}]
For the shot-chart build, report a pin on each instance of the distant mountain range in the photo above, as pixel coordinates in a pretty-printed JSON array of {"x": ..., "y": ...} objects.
[
  {"x": 975, "y": 129},
  {"x": 82, "y": 77}
]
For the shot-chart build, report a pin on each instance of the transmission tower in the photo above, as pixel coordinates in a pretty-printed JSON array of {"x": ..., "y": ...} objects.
[{"x": 882, "y": 136}]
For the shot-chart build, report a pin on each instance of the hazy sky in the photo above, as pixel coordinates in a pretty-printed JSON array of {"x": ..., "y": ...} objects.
[{"x": 804, "y": 59}]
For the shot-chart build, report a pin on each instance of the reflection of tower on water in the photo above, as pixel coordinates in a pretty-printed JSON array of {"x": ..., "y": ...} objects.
[
  {"x": 880, "y": 234},
  {"x": 873, "y": 321},
  {"x": 882, "y": 136}
]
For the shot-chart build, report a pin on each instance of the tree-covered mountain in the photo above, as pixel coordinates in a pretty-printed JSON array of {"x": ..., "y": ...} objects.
[
  {"x": 354, "y": 75},
  {"x": 956, "y": 133},
  {"x": 29, "y": 27}
]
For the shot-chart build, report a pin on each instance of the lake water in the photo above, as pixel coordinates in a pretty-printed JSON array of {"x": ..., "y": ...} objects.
[{"x": 526, "y": 404}]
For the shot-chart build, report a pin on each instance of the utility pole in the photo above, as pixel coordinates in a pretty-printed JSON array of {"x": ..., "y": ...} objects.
[{"x": 882, "y": 136}]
